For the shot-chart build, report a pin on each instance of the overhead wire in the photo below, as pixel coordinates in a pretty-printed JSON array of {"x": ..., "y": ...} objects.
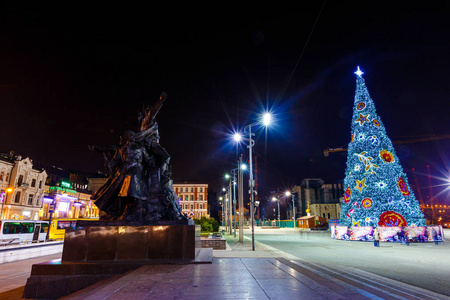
[{"x": 285, "y": 86}]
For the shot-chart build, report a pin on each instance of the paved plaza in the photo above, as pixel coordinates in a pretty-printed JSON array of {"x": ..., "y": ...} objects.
[{"x": 300, "y": 270}]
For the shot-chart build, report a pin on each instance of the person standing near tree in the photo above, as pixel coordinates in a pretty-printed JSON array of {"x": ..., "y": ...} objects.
[{"x": 376, "y": 238}]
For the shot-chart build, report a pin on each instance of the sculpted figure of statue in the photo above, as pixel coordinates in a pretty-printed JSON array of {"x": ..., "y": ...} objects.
[
  {"x": 159, "y": 181},
  {"x": 122, "y": 197},
  {"x": 139, "y": 188},
  {"x": 149, "y": 134}
]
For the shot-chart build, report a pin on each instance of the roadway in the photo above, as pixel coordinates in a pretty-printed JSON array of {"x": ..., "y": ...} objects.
[
  {"x": 14, "y": 275},
  {"x": 424, "y": 265}
]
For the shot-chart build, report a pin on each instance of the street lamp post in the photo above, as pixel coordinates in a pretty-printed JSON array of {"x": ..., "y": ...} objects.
[
  {"x": 288, "y": 193},
  {"x": 251, "y": 143},
  {"x": 230, "y": 207},
  {"x": 221, "y": 206},
  {"x": 225, "y": 205},
  {"x": 234, "y": 197},
  {"x": 242, "y": 167},
  {"x": 3, "y": 197},
  {"x": 233, "y": 181},
  {"x": 278, "y": 202}
]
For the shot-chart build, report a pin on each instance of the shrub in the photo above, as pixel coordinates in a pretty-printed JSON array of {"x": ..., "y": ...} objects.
[{"x": 207, "y": 224}]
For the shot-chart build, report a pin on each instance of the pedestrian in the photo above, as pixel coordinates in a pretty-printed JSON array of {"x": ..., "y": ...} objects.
[
  {"x": 376, "y": 238},
  {"x": 435, "y": 237}
]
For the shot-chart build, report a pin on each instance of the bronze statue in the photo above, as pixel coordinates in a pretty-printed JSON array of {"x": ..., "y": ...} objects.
[{"x": 139, "y": 188}]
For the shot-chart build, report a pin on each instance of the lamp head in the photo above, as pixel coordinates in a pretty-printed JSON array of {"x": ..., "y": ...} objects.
[
  {"x": 267, "y": 118},
  {"x": 237, "y": 137},
  {"x": 288, "y": 193}
]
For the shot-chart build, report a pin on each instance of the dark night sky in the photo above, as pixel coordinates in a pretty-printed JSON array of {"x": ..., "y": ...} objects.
[{"x": 75, "y": 76}]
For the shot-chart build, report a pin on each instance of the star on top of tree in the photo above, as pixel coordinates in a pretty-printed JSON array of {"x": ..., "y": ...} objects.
[{"x": 359, "y": 72}]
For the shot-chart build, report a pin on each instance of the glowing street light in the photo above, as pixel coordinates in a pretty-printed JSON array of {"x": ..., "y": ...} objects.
[
  {"x": 267, "y": 118},
  {"x": 251, "y": 142},
  {"x": 287, "y": 194},
  {"x": 278, "y": 201},
  {"x": 237, "y": 137}
]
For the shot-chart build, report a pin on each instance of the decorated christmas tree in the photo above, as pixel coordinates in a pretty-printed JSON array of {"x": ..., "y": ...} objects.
[{"x": 377, "y": 192}]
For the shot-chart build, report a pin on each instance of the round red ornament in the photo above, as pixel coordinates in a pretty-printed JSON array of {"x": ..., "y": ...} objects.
[
  {"x": 347, "y": 195},
  {"x": 392, "y": 219},
  {"x": 366, "y": 203},
  {"x": 402, "y": 186}
]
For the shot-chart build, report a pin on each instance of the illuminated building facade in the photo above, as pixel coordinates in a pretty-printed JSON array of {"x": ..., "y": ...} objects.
[
  {"x": 193, "y": 199},
  {"x": 21, "y": 187},
  {"x": 67, "y": 202},
  {"x": 67, "y": 193}
]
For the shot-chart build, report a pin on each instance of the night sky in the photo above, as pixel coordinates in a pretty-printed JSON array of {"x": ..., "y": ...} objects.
[{"x": 76, "y": 76}]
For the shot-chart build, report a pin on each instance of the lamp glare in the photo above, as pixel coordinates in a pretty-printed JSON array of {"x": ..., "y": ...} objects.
[{"x": 267, "y": 118}]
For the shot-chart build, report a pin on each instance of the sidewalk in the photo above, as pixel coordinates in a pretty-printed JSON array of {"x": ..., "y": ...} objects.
[
  {"x": 240, "y": 273},
  {"x": 244, "y": 250}
]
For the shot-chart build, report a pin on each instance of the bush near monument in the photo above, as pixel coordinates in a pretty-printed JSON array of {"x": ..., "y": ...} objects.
[{"x": 208, "y": 224}]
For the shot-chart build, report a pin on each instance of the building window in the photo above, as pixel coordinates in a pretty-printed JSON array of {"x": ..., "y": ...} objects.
[
  {"x": 201, "y": 206},
  {"x": 201, "y": 197},
  {"x": 192, "y": 207},
  {"x": 201, "y": 190},
  {"x": 192, "y": 198},
  {"x": 186, "y": 198},
  {"x": 17, "y": 198},
  {"x": 30, "y": 199},
  {"x": 40, "y": 184},
  {"x": 33, "y": 183},
  {"x": 19, "y": 182},
  {"x": 329, "y": 216},
  {"x": 181, "y": 190},
  {"x": 185, "y": 206},
  {"x": 1, "y": 176},
  {"x": 192, "y": 190}
]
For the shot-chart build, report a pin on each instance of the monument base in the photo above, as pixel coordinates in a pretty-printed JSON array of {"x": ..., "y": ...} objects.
[
  {"x": 55, "y": 279},
  {"x": 129, "y": 243},
  {"x": 93, "y": 253}
]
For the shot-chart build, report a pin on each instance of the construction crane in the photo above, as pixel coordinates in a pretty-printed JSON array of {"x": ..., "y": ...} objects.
[{"x": 327, "y": 151}]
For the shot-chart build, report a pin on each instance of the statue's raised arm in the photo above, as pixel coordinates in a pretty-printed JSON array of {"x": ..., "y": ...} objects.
[{"x": 147, "y": 119}]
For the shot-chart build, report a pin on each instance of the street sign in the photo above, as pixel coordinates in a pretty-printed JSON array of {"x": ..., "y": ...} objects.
[{"x": 51, "y": 208}]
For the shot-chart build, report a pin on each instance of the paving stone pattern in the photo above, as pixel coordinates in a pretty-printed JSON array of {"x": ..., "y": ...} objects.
[{"x": 250, "y": 278}]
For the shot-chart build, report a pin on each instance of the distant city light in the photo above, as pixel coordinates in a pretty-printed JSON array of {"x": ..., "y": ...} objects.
[
  {"x": 287, "y": 193},
  {"x": 274, "y": 199},
  {"x": 227, "y": 176},
  {"x": 243, "y": 167}
]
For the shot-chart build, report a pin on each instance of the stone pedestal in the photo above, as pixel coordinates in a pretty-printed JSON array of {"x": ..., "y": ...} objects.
[
  {"x": 94, "y": 253},
  {"x": 129, "y": 243}
]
